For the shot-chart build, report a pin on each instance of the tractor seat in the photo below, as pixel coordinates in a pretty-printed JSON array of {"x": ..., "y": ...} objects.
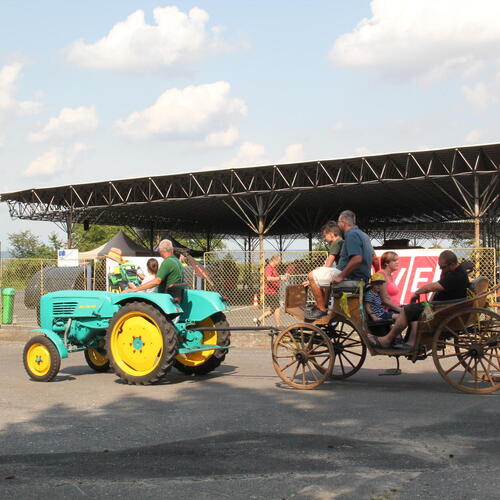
[{"x": 177, "y": 291}]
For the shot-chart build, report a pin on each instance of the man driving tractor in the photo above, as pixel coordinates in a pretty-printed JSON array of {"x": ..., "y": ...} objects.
[{"x": 170, "y": 275}]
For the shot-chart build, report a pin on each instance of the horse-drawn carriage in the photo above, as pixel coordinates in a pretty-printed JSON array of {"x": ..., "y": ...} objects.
[{"x": 463, "y": 338}]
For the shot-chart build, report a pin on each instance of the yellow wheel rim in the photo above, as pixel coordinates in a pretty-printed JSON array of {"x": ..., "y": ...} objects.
[
  {"x": 38, "y": 359},
  {"x": 96, "y": 357},
  {"x": 198, "y": 358},
  {"x": 137, "y": 343}
]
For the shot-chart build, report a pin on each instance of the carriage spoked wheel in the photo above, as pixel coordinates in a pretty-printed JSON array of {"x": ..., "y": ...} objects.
[
  {"x": 302, "y": 356},
  {"x": 466, "y": 350},
  {"x": 348, "y": 348}
]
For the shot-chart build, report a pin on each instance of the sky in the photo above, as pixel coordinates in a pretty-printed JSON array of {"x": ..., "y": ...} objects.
[{"x": 93, "y": 91}]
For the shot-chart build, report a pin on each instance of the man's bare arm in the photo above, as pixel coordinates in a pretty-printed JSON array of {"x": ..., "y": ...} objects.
[{"x": 430, "y": 287}]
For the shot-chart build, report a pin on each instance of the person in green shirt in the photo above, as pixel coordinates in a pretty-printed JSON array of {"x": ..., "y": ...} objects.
[{"x": 169, "y": 273}]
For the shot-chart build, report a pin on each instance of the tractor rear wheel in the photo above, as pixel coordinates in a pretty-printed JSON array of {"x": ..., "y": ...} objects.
[
  {"x": 98, "y": 361},
  {"x": 141, "y": 343},
  {"x": 41, "y": 358},
  {"x": 203, "y": 362}
]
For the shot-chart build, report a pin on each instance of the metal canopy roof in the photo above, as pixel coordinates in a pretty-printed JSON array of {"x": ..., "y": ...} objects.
[{"x": 389, "y": 190}]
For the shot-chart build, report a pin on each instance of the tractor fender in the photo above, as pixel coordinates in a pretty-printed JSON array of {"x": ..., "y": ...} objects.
[
  {"x": 162, "y": 301},
  {"x": 200, "y": 304},
  {"x": 63, "y": 352}
]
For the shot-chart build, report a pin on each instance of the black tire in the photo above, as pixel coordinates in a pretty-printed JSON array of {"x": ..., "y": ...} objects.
[
  {"x": 215, "y": 358},
  {"x": 41, "y": 359},
  {"x": 125, "y": 343},
  {"x": 96, "y": 360}
]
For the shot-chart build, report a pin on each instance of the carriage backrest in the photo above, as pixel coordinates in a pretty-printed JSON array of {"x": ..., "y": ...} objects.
[
  {"x": 479, "y": 287},
  {"x": 295, "y": 296},
  {"x": 477, "y": 297}
]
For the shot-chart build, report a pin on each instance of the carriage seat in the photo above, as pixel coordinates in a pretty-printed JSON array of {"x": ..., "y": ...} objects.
[
  {"x": 381, "y": 327},
  {"x": 346, "y": 286}
]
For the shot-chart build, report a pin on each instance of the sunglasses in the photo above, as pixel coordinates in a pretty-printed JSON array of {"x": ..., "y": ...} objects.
[{"x": 444, "y": 267}]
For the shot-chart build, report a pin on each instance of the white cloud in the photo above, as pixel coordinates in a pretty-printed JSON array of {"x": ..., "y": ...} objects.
[
  {"x": 479, "y": 94},
  {"x": 222, "y": 139},
  {"x": 474, "y": 136},
  {"x": 69, "y": 122},
  {"x": 294, "y": 153},
  {"x": 249, "y": 153},
  {"x": 424, "y": 38},
  {"x": 9, "y": 75},
  {"x": 176, "y": 38},
  {"x": 54, "y": 161},
  {"x": 339, "y": 126},
  {"x": 362, "y": 151},
  {"x": 194, "y": 112}
]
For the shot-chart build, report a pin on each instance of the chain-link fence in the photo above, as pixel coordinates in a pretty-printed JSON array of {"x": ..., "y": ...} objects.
[
  {"x": 31, "y": 278},
  {"x": 484, "y": 262},
  {"x": 239, "y": 276}
]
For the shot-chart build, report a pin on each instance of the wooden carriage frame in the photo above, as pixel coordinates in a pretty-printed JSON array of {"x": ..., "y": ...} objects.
[{"x": 462, "y": 336}]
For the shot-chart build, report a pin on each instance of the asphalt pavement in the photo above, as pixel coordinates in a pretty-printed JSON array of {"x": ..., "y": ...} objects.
[{"x": 240, "y": 433}]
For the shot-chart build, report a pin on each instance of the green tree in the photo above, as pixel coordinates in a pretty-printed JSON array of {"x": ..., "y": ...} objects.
[
  {"x": 25, "y": 244},
  {"x": 55, "y": 243},
  {"x": 198, "y": 243}
]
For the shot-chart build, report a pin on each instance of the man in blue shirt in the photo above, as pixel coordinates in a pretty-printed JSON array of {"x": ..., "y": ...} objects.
[
  {"x": 356, "y": 257},
  {"x": 357, "y": 253}
]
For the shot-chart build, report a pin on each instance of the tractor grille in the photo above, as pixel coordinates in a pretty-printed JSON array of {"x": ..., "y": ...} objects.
[{"x": 63, "y": 308}]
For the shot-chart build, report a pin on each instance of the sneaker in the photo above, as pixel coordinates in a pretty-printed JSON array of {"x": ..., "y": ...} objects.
[
  {"x": 257, "y": 321},
  {"x": 315, "y": 313},
  {"x": 308, "y": 307}
]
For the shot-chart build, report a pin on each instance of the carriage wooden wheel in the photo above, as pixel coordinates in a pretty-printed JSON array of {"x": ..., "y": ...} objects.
[
  {"x": 466, "y": 350},
  {"x": 349, "y": 350},
  {"x": 303, "y": 356}
]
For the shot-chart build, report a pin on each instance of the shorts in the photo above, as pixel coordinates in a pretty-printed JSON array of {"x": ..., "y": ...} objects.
[
  {"x": 413, "y": 311},
  {"x": 323, "y": 275},
  {"x": 387, "y": 315},
  {"x": 272, "y": 301}
]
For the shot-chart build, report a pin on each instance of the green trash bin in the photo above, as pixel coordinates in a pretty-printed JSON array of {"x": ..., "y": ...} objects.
[{"x": 7, "y": 305}]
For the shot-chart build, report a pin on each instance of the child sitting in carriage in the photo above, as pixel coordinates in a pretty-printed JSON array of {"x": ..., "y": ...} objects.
[{"x": 373, "y": 300}]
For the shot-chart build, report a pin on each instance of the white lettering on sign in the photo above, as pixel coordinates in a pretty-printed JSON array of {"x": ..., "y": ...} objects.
[
  {"x": 422, "y": 275},
  {"x": 409, "y": 274}
]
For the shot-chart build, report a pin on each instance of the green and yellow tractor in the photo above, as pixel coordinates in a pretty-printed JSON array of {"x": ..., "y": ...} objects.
[{"x": 138, "y": 335}]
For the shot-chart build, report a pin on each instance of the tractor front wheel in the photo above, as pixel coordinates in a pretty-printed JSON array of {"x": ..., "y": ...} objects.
[
  {"x": 41, "y": 359},
  {"x": 203, "y": 362},
  {"x": 141, "y": 343}
]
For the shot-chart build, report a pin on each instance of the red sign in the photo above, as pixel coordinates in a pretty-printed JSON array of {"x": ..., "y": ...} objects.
[{"x": 416, "y": 268}]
